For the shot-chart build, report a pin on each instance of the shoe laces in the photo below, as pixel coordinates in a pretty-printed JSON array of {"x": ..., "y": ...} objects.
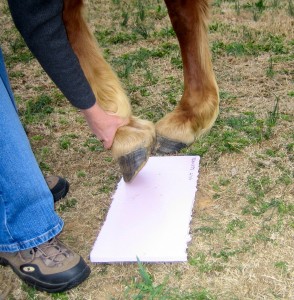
[{"x": 51, "y": 253}]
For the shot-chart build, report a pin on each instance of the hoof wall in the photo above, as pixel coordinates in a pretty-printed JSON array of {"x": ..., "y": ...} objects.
[
  {"x": 166, "y": 146},
  {"x": 132, "y": 163}
]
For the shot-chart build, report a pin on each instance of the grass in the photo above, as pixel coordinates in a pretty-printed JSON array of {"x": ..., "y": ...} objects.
[
  {"x": 242, "y": 224},
  {"x": 145, "y": 288}
]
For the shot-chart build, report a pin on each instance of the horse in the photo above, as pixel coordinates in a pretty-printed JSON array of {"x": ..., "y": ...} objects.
[{"x": 193, "y": 115}]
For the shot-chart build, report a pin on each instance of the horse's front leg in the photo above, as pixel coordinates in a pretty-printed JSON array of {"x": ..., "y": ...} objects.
[
  {"x": 133, "y": 143},
  {"x": 198, "y": 108}
]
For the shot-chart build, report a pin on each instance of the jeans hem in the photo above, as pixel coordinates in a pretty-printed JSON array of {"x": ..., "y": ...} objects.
[{"x": 19, "y": 246}]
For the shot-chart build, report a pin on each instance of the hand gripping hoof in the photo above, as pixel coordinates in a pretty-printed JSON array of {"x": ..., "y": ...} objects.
[
  {"x": 167, "y": 146},
  {"x": 130, "y": 164}
]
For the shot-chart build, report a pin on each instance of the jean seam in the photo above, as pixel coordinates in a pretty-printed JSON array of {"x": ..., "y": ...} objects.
[
  {"x": 31, "y": 241},
  {"x": 5, "y": 218},
  {"x": 40, "y": 236}
]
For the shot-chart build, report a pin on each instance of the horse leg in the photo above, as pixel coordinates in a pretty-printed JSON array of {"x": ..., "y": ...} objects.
[
  {"x": 198, "y": 107},
  {"x": 132, "y": 143}
]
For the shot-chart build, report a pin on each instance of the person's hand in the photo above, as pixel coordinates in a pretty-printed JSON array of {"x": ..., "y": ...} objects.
[{"x": 103, "y": 124}]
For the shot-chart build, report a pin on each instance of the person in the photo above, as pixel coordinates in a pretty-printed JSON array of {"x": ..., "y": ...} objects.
[{"x": 29, "y": 226}]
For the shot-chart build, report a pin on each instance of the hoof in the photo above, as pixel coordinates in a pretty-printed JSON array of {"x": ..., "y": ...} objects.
[
  {"x": 130, "y": 164},
  {"x": 166, "y": 146}
]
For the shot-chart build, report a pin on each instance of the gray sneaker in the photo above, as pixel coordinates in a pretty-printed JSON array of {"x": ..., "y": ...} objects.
[{"x": 50, "y": 267}]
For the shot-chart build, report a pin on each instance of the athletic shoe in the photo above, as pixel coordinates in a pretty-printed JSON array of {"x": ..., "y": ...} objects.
[{"x": 50, "y": 267}]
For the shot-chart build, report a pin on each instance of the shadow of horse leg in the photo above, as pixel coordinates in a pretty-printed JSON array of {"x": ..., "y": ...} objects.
[
  {"x": 198, "y": 108},
  {"x": 133, "y": 143}
]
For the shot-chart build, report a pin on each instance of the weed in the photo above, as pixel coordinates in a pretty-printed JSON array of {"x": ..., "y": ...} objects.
[
  {"x": 259, "y": 187},
  {"x": 141, "y": 30},
  {"x": 253, "y": 44},
  {"x": 93, "y": 144},
  {"x": 237, "y": 7},
  {"x": 177, "y": 61},
  {"x": 224, "y": 95},
  {"x": 235, "y": 133},
  {"x": 275, "y": 3},
  {"x": 81, "y": 174},
  {"x": 217, "y": 3},
  {"x": 272, "y": 119},
  {"x": 235, "y": 224},
  {"x": 270, "y": 71},
  {"x": 286, "y": 178},
  {"x": 17, "y": 74},
  {"x": 64, "y": 143},
  {"x": 123, "y": 37},
  {"x": 261, "y": 237},
  {"x": 31, "y": 293},
  {"x": 44, "y": 166},
  {"x": 19, "y": 52},
  {"x": 200, "y": 261},
  {"x": 59, "y": 296},
  {"x": 260, "y": 5},
  {"x": 67, "y": 204},
  {"x": 37, "y": 109},
  {"x": 125, "y": 16},
  {"x": 226, "y": 253},
  {"x": 224, "y": 181},
  {"x": 290, "y": 8},
  {"x": 282, "y": 265},
  {"x": 205, "y": 230},
  {"x": 166, "y": 32},
  {"x": 256, "y": 8},
  {"x": 150, "y": 78},
  {"x": 37, "y": 138},
  {"x": 129, "y": 62},
  {"x": 107, "y": 185},
  {"x": 146, "y": 289}
]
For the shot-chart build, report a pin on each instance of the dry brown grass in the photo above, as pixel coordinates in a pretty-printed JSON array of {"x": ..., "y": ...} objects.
[{"x": 233, "y": 254}]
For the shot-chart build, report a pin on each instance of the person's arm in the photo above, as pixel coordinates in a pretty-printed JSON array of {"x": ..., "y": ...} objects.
[{"x": 40, "y": 24}]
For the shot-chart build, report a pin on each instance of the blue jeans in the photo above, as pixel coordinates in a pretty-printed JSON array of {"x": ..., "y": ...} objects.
[{"x": 27, "y": 216}]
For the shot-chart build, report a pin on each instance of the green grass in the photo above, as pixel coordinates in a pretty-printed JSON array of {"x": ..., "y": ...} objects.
[
  {"x": 108, "y": 37},
  {"x": 145, "y": 288},
  {"x": 19, "y": 52},
  {"x": 37, "y": 109},
  {"x": 203, "y": 265},
  {"x": 67, "y": 205},
  {"x": 139, "y": 59},
  {"x": 267, "y": 44},
  {"x": 93, "y": 144},
  {"x": 245, "y": 172},
  {"x": 260, "y": 200},
  {"x": 232, "y": 134},
  {"x": 234, "y": 225}
]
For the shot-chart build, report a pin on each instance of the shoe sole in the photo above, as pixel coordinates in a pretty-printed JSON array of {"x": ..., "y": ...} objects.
[{"x": 50, "y": 288}]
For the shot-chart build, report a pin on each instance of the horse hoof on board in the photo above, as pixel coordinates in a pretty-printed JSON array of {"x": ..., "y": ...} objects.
[
  {"x": 132, "y": 146},
  {"x": 168, "y": 146},
  {"x": 131, "y": 164}
]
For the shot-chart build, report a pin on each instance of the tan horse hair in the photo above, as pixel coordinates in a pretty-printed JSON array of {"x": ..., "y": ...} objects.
[
  {"x": 104, "y": 82},
  {"x": 198, "y": 108}
]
